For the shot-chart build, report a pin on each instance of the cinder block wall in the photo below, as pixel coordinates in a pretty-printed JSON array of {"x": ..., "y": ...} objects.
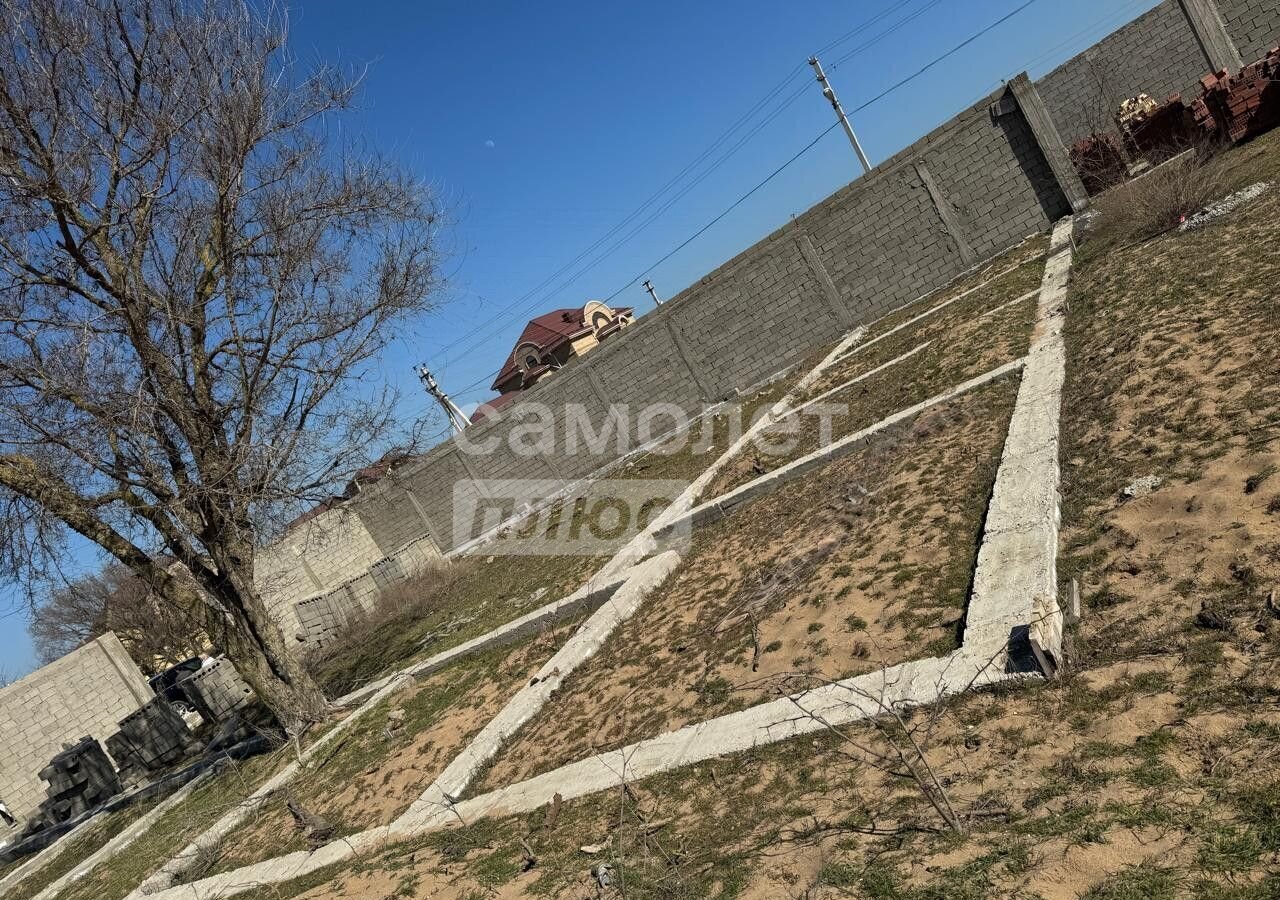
[
  {"x": 1252, "y": 24},
  {"x": 326, "y": 550},
  {"x": 882, "y": 240},
  {"x": 85, "y": 693},
  {"x": 1155, "y": 54}
]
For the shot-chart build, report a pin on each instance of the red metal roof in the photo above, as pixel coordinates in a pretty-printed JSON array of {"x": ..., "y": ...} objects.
[{"x": 546, "y": 332}]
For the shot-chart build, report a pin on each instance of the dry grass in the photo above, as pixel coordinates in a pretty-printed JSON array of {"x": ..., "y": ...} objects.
[
  {"x": 863, "y": 564},
  {"x": 1157, "y": 201},
  {"x": 1148, "y": 771},
  {"x": 373, "y": 772},
  {"x": 442, "y": 608},
  {"x": 966, "y": 339}
]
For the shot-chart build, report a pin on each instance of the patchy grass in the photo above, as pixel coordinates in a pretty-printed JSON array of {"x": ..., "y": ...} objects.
[
  {"x": 446, "y": 607},
  {"x": 766, "y": 600},
  {"x": 374, "y": 771},
  {"x": 1029, "y": 251},
  {"x": 962, "y": 343},
  {"x": 174, "y": 830},
  {"x": 1147, "y": 769},
  {"x": 91, "y": 838}
]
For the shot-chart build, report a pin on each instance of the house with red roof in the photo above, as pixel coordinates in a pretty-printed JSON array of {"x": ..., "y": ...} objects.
[{"x": 548, "y": 342}]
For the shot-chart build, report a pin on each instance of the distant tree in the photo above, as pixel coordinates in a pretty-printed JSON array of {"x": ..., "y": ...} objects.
[
  {"x": 195, "y": 278},
  {"x": 154, "y": 630}
]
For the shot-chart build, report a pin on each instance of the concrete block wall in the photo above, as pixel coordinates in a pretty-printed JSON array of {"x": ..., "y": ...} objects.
[
  {"x": 972, "y": 187},
  {"x": 1252, "y": 25},
  {"x": 881, "y": 240},
  {"x": 326, "y": 550},
  {"x": 1155, "y": 54},
  {"x": 87, "y": 692}
]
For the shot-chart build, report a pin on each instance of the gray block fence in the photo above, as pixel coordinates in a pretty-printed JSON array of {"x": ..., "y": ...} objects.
[{"x": 974, "y": 186}]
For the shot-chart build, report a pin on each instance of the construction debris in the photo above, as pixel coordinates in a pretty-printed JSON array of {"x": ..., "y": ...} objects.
[{"x": 1225, "y": 206}]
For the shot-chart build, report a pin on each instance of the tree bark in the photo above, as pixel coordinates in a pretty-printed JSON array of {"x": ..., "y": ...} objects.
[{"x": 254, "y": 642}]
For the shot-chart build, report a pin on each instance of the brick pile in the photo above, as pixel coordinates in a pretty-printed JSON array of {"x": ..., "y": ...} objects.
[
  {"x": 1161, "y": 131},
  {"x": 1241, "y": 106}
]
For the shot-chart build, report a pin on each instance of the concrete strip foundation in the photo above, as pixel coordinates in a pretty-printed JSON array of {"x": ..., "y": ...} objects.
[
  {"x": 719, "y": 507},
  {"x": 941, "y": 306},
  {"x": 589, "y": 596},
  {"x": 1015, "y": 582},
  {"x": 370, "y": 696},
  {"x": 583, "y": 645},
  {"x": 1016, "y": 510}
]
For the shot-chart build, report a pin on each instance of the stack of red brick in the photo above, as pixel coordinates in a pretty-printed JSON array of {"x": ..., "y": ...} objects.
[{"x": 1237, "y": 107}]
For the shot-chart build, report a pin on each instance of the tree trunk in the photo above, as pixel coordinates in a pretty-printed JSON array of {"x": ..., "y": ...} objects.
[{"x": 254, "y": 642}]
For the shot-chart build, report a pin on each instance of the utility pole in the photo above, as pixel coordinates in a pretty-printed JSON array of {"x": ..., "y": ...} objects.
[
  {"x": 830, "y": 93},
  {"x": 648, "y": 286},
  {"x": 456, "y": 419}
]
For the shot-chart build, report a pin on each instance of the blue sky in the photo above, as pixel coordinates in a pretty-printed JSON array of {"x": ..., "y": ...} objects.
[{"x": 543, "y": 125}]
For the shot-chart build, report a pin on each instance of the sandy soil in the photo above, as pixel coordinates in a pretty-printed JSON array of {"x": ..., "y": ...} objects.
[{"x": 861, "y": 565}]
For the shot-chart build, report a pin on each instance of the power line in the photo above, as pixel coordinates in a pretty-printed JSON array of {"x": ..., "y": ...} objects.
[
  {"x": 897, "y": 26},
  {"x": 736, "y": 203},
  {"x": 801, "y": 152},
  {"x": 719, "y": 141},
  {"x": 873, "y": 100},
  {"x": 954, "y": 50}
]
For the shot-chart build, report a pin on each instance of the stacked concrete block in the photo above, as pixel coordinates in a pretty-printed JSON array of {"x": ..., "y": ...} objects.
[
  {"x": 319, "y": 623},
  {"x": 85, "y": 693},
  {"x": 217, "y": 690},
  {"x": 79, "y": 778},
  {"x": 150, "y": 739}
]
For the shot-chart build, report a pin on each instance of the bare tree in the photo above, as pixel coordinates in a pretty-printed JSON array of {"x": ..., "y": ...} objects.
[
  {"x": 195, "y": 277},
  {"x": 155, "y": 631}
]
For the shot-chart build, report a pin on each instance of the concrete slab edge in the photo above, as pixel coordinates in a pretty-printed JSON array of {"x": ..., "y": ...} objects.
[
  {"x": 1015, "y": 577},
  {"x": 718, "y": 507}
]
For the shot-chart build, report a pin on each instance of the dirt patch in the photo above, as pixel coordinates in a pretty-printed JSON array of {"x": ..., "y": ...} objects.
[
  {"x": 375, "y": 771},
  {"x": 861, "y": 565}
]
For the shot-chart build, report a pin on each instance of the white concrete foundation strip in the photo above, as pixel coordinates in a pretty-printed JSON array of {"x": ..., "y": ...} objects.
[
  {"x": 1015, "y": 582},
  {"x": 913, "y": 683},
  {"x": 936, "y": 309},
  {"x": 718, "y": 507}
]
